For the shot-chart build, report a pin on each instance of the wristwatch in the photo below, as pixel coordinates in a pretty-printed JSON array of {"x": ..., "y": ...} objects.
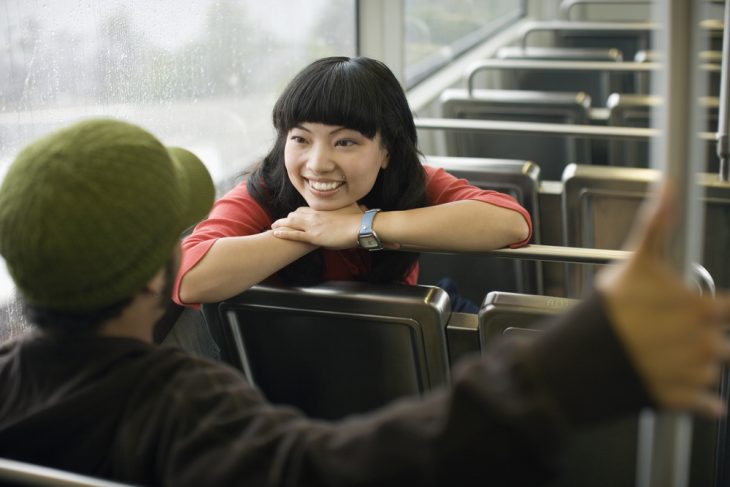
[{"x": 366, "y": 236}]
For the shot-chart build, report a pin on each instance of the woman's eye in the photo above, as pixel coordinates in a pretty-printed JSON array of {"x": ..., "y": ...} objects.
[
  {"x": 345, "y": 143},
  {"x": 297, "y": 139}
]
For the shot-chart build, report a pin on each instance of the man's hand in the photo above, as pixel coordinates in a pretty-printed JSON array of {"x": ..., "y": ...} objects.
[{"x": 675, "y": 338}]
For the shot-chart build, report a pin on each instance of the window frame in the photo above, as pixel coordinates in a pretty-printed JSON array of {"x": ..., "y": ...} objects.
[{"x": 381, "y": 25}]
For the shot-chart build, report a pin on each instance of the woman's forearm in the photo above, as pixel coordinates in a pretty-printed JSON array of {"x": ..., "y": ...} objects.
[
  {"x": 234, "y": 264},
  {"x": 462, "y": 225}
]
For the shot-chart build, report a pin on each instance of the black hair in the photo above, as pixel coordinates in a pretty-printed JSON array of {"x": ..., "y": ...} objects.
[
  {"x": 364, "y": 95},
  {"x": 69, "y": 323}
]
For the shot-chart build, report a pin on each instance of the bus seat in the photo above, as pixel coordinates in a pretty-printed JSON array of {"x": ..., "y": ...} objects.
[
  {"x": 596, "y": 78},
  {"x": 16, "y": 474},
  {"x": 627, "y": 37},
  {"x": 600, "y": 203},
  {"x": 594, "y": 83},
  {"x": 635, "y": 111},
  {"x": 475, "y": 275},
  {"x": 710, "y": 62},
  {"x": 462, "y": 334},
  {"x": 548, "y": 152},
  {"x": 603, "y": 455},
  {"x": 630, "y": 111},
  {"x": 504, "y": 313},
  {"x": 336, "y": 348},
  {"x": 519, "y": 315}
]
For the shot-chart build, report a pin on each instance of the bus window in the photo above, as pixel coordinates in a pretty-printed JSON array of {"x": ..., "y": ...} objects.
[
  {"x": 203, "y": 75},
  {"x": 436, "y": 31}
]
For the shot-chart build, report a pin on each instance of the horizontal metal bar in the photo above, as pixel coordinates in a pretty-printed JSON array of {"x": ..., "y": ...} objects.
[
  {"x": 538, "y": 128},
  {"x": 552, "y": 253},
  {"x": 566, "y": 6},
  {"x": 574, "y": 255},
  {"x": 568, "y": 66},
  {"x": 19, "y": 473},
  {"x": 563, "y": 65},
  {"x": 548, "y": 253},
  {"x": 559, "y": 65},
  {"x": 588, "y": 27}
]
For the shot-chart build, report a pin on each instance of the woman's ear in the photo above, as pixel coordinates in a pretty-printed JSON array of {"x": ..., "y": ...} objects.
[{"x": 385, "y": 158}]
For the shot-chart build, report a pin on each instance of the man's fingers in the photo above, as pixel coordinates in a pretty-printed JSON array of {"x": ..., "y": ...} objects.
[
  {"x": 720, "y": 306},
  {"x": 704, "y": 402},
  {"x": 723, "y": 348},
  {"x": 707, "y": 404}
]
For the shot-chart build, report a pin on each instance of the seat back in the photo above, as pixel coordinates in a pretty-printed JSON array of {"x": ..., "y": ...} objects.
[
  {"x": 549, "y": 152},
  {"x": 600, "y": 204},
  {"x": 635, "y": 111},
  {"x": 605, "y": 454},
  {"x": 337, "y": 348},
  {"x": 476, "y": 275},
  {"x": 16, "y": 474},
  {"x": 710, "y": 66},
  {"x": 594, "y": 83},
  {"x": 596, "y": 78},
  {"x": 630, "y": 111},
  {"x": 462, "y": 333},
  {"x": 627, "y": 37},
  {"x": 627, "y": 42},
  {"x": 505, "y": 314}
]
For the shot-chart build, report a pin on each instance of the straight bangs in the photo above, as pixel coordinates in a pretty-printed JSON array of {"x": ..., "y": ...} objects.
[{"x": 332, "y": 95}]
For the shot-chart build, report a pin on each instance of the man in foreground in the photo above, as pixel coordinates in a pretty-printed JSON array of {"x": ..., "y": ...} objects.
[{"x": 90, "y": 218}]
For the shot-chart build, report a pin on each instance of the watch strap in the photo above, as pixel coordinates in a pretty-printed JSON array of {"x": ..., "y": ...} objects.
[
  {"x": 366, "y": 233},
  {"x": 366, "y": 223}
]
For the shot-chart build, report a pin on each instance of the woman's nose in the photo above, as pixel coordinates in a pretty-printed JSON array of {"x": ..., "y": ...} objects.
[{"x": 320, "y": 159}]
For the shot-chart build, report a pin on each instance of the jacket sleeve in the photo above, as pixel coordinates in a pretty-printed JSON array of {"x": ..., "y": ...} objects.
[{"x": 502, "y": 419}]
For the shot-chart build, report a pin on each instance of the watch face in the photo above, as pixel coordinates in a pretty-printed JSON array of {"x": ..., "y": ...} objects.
[{"x": 369, "y": 242}]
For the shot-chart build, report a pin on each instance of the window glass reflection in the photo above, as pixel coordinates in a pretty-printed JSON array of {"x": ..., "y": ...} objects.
[
  {"x": 203, "y": 74},
  {"x": 436, "y": 31}
]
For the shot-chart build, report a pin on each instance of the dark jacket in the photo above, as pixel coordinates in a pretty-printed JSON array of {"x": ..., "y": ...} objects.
[{"x": 122, "y": 409}]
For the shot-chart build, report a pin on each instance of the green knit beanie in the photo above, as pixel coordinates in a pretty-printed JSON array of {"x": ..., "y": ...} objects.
[{"x": 90, "y": 213}]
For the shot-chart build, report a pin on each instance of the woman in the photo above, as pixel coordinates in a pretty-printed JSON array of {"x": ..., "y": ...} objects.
[{"x": 346, "y": 143}]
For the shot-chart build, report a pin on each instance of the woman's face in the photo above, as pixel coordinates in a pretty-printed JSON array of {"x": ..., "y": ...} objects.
[{"x": 332, "y": 166}]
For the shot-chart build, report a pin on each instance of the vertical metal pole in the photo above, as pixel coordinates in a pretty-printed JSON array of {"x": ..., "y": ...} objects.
[
  {"x": 381, "y": 33},
  {"x": 665, "y": 439},
  {"x": 723, "y": 151}
]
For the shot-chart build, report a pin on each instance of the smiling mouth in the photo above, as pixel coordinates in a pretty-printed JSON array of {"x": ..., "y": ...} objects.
[{"x": 325, "y": 185}]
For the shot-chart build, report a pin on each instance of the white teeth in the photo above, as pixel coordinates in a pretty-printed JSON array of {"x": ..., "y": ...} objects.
[{"x": 325, "y": 185}]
